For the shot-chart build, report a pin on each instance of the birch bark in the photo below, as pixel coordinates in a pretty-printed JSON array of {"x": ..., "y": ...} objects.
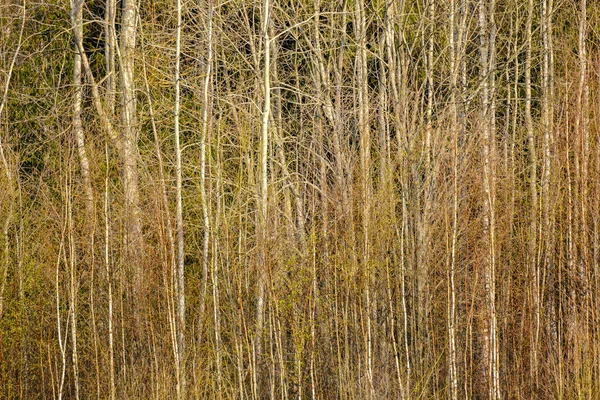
[
  {"x": 180, "y": 267},
  {"x": 129, "y": 138},
  {"x": 454, "y": 94},
  {"x": 487, "y": 72},
  {"x": 262, "y": 200}
]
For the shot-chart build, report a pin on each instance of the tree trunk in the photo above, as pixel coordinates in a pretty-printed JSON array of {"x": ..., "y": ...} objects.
[
  {"x": 549, "y": 272},
  {"x": 487, "y": 71},
  {"x": 129, "y": 137},
  {"x": 262, "y": 205},
  {"x": 84, "y": 163},
  {"x": 180, "y": 267},
  {"x": 110, "y": 35},
  {"x": 454, "y": 95},
  {"x": 533, "y": 211}
]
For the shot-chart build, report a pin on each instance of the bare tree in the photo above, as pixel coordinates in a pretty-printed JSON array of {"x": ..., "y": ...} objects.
[
  {"x": 84, "y": 163},
  {"x": 547, "y": 85},
  {"x": 129, "y": 138},
  {"x": 263, "y": 179},
  {"x": 582, "y": 128},
  {"x": 533, "y": 217},
  {"x": 180, "y": 267},
  {"x": 8, "y": 168},
  {"x": 454, "y": 98},
  {"x": 364, "y": 129},
  {"x": 71, "y": 261},
  {"x": 390, "y": 199},
  {"x": 109, "y": 273},
  {"x": 487, "y": 119},
  {"x": 203, "y": 143}
]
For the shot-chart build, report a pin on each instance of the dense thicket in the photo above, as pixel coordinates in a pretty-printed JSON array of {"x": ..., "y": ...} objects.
[{"x": 299, "y": 199}]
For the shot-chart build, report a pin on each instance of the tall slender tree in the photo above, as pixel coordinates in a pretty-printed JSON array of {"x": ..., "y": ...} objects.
[{"x": 180, "y": 269}]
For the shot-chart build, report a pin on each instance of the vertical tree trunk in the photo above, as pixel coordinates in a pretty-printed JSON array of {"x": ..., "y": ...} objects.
[
  {"x": 547, "y": 124},
  {"x": 429, "y": 77},
  {"x": 62, "y": 343},
  {"x": 10, "y": 182},
  {"x": 77, "y": 24},
  {"x": 494, "y": 334},
  {"x": 262, "y": 205},
  {"x": 110, "y": 16},
  {"x": 84, "y": 163},
  {"x": 583, "y": 133},
  {"x": 5, "y": 235},
  {"x": 397, "y": 62},
  {"x": 533, "y": 192},
  {"x": 452, "y": 365},
  {"x": 487, "y": 70},
  {"x": 180, "y": 267},
  {"x": 108, "y": 270},
  {"x": 463, "y": 33},
  {"x": 215, "y": 252},
  {"x": 204, "y": 132},
  {"x": 73, "y": 283},
  {"x": 360, "y": 24},
  {"x": 425, "y": 182},
  {"x": 129, "y": 137}
]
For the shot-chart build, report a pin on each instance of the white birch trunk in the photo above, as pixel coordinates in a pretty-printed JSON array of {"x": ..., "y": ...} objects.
[
  {"x": 583, "y": 132},
  {"x": 180, "y": 267},
  {"x": 108, "y": 270},
  {"x": 129, "y": 137},
  {"x": 84, "y": 164},
  {"x": 205, "y": 129},
  {"x": 10, "y": 182},
  {"x": 263, "y": 183},
  {"x": 73, "y": 289},
  {"x": 487, "y": 71},
  {"x": 533, "y": 217},
  {"x": 452, "y": 365}
]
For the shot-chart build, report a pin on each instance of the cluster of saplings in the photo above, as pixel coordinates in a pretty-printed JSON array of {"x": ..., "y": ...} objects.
[{"x": 277, "y": 199}]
